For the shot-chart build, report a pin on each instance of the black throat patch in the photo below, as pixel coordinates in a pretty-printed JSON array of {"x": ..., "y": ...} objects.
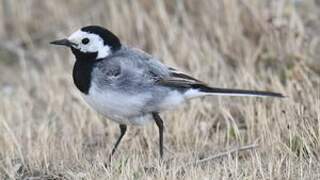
[{"x": 82, "y": 69}]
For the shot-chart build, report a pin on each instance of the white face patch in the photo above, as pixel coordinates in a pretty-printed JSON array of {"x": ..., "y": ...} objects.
[{"x": 95, "y": 43}]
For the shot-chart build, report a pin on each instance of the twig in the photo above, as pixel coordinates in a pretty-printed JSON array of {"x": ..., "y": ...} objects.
[{"x": 220, "y": 155}]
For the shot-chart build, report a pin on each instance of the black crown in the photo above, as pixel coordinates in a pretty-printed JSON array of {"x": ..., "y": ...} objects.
[{"x": 108, "y": 37}]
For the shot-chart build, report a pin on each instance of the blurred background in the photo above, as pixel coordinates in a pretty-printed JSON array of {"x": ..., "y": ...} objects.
[{"x": 47, "y": 131}]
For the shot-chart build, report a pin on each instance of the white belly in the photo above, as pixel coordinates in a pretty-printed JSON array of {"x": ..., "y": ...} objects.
[
  {"x": 119, "y": 107},
  {"x": 131, "y": 109}
]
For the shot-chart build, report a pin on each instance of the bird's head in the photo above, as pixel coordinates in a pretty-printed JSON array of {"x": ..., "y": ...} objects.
[{"x": 91, "y": 42}]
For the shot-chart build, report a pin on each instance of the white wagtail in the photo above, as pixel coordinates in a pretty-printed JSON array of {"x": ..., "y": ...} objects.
[{"x": 130, "y": 86}]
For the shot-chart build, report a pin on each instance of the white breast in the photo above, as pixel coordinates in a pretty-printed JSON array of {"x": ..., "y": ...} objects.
[{"x": 117, "y": 106}]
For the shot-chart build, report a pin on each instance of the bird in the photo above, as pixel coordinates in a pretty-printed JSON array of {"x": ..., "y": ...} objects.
[{"x": 128, "y": 85}]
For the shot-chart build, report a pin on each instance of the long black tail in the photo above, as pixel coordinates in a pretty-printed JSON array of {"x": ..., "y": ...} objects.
[{"x": 233, "y": 92}]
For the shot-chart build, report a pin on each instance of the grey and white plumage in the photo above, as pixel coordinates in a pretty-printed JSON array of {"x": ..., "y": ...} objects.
[
  {"x": 130, "y": 86},
  {"x": 127, "y": 87}
]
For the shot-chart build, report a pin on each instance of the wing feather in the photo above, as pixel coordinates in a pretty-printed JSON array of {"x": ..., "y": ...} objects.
[{"x": 180, "y": 80}]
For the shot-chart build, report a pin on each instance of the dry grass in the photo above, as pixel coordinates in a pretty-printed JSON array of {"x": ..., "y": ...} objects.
[{"x": 47, "y": 131}]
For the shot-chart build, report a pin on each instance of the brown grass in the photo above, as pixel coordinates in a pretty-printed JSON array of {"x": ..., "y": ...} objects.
[{"x": 47, "y": 131}]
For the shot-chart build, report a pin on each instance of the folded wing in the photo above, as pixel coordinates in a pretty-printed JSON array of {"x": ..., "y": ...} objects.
[{"x": 195, "y": 88}]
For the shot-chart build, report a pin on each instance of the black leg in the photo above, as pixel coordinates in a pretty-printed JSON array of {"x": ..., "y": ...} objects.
[
  {"x": 159, "y": 123},
  {"x": 123, "y": 129}
]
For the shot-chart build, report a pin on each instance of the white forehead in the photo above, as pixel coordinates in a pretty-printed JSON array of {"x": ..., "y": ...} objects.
[
  {"x": 95, "y": 44},
  {"x": 79, "y": 35}
]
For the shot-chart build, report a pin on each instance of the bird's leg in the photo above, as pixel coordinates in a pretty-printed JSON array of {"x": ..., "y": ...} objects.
[
  {"x": 123, "y": 129},
  {"x": 159, "y": 123}
]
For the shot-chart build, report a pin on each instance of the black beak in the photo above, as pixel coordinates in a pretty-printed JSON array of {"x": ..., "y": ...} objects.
[{"x": 63, "y": 42}]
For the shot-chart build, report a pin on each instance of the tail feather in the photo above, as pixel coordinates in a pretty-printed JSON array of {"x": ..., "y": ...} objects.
[{"x": 200, "y": 90}]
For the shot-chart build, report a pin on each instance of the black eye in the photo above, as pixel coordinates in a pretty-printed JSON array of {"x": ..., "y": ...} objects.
[{"x": 85, "y": 41}]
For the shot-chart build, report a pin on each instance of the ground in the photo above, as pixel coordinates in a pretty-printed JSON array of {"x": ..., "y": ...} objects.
[{"x": 48, "y": 132}]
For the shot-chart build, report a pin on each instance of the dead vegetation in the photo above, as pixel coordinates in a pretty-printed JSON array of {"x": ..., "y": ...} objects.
[{"x": 47, "y": 131}]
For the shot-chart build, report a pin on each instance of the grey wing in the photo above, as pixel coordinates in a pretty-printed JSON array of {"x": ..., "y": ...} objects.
[
  {"x": 142, "y": 81},
  {"x": 159, "y": 73},
  {"x": 131, "y": 70},
  {"x": 180, "y": 81},
  {"x": 162, "y": 75}
]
